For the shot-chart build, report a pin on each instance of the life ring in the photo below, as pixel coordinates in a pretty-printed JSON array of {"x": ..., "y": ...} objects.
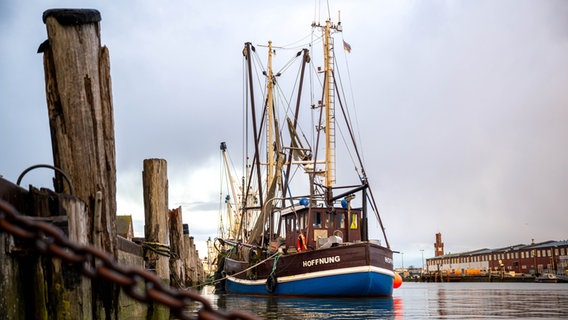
[
  {"x": 271, "y": 283},
  {"x": 301, "y": 243}
]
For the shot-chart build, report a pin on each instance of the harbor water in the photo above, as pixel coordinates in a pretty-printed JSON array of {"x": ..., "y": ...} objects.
[{"x": 414, "y": 300}]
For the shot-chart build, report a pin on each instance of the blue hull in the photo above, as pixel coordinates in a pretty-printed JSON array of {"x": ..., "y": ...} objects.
[{"x": 369, "y": 282}]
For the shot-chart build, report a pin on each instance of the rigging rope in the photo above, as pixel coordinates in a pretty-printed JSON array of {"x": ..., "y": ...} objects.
[
  {"x": 297, "y": 44},
  {"x": 347, "y": 116},
  {"x": 289, "y": 63},
  {"x": 352, "y": 96}
]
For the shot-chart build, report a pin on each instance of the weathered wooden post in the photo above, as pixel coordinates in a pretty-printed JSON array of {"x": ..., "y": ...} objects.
[
  {"x": 36, "y": 286},
  {"x": 199, "y": 267},
  {"x": 187, "y": 258},
  {"x": 79, "y": 99},
  {"x": 177, "y": 272},
  {"x": 12, "y": 300},
  {"x": 155, "y": 184},
  {"x": 194, "y": 262},
  {"x": 75, "y": 289}
]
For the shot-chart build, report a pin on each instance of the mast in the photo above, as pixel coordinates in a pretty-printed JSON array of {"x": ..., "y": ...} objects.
[
  {"x": 247, "y": 53},
  {"x": 234, "y": 222},
  {"x": 270, "y": 145},
  {"x": 305, "y": 60},
  {"x": 275, "y": 159},
  {"x": 329, "y": 109},
  {"x": 329, "y": 106},
  {"x": 270, "y": 117}
]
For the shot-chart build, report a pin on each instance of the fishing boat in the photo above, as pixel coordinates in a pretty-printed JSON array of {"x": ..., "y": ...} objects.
[
  {"x": 547, "y": 278},
  {"x": 289, "y": 228}
]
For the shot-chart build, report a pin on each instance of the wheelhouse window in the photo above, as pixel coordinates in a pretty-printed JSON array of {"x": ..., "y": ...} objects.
[
  {"x": 353, "y": 221},
  {"x": 317, "y": 219},
  {"x": 341, "y": 220},
  {"x": 328, "y": 220}
]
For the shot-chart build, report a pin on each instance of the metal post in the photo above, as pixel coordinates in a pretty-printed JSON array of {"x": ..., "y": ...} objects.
[{"x": 422, "y": 251}]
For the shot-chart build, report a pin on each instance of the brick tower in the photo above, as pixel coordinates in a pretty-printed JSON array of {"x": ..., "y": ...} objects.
[{"x": 439, "y": 245}]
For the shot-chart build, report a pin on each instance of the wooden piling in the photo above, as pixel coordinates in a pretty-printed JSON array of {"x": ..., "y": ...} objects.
[
  {"x": 59, "y": 290},
  {"x": 12, "y": 299},
  {"x": 38, "y": 286},
  {"x": 192, "y": 264},
  {"x": 79, "y": 99},
  {"x": 76, "y": 301},
  {"x": 155, "y": 185},
  {"x": 177, "y": 272},
  {"x": 187, "y": 258}
]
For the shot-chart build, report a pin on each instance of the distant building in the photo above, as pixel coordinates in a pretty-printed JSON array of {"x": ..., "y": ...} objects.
[
  {"x": 124, "y": 227},
  {"x": 536, "y": 258},
  {"x": 409, "y": 273},
  {"x": 438, "y": 246}
]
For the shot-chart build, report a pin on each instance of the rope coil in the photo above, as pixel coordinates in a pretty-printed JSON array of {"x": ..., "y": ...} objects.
[{"x": 159, "y": 248}]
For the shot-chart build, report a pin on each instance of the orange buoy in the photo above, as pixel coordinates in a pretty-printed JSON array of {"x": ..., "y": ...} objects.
[{"x": 397, "y": 280}]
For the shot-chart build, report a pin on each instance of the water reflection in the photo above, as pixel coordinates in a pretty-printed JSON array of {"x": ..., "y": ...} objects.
[
  {"x": 497, "y": 301},
  {"x": 415, "y": 301},
  {"x": 312, "y": 308}
]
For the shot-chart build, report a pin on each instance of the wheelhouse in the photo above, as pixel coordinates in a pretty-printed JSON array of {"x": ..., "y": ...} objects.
[{"x": 318, "y": 224}]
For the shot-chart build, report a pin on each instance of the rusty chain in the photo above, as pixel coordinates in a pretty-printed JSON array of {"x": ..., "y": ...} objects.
[{"x": 95, "y": 263}]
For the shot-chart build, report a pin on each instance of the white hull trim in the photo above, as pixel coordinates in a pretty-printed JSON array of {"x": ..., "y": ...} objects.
[{"x": 318, "y": 274}]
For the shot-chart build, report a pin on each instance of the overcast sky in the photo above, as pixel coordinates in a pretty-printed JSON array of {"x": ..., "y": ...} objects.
[{"x": 463, "y": 107}]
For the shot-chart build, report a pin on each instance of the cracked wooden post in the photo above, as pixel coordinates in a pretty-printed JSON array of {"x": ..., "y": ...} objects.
[
  {"x": 79, "y": 101},
  {"x": 177, "y": 271},
  {"x": 155, "y": 184},
  {"x": 76, "y": 289}
]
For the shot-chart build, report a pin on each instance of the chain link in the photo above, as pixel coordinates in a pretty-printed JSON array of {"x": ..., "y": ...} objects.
[{"x": 94, "y": 263}]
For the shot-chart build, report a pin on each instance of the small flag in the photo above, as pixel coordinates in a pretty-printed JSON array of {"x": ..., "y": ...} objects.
[{"x": 346, "y": 46}]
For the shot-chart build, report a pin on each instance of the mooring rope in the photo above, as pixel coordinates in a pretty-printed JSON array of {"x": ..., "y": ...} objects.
[
  {"x": 249, "y": 268},
  {"x": 159, "y": 248},
  {"x": 274, "y": 265}
]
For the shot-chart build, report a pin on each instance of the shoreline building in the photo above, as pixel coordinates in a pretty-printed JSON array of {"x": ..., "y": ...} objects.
[{"x": 535, "y": 258}]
